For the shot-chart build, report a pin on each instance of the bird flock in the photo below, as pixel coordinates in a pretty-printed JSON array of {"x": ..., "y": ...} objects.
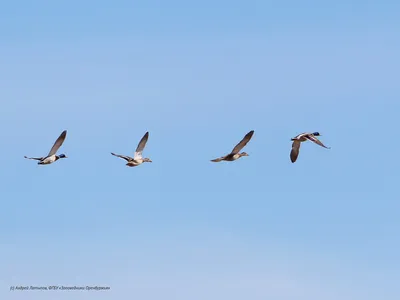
[{"x": 138, "y": 159}]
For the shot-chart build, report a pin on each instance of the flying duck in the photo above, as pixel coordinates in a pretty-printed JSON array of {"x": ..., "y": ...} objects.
[
  {"x": 52, "y": 157},
  {"x": 234, "y": 155},
  {"x": 137, "y": 158},
  {"x": 298, "y": 139}
]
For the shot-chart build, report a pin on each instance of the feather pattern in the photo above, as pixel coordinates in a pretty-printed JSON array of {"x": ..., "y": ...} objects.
[
  {"x": 58, "y": 143},
  {"x": 243, "y": 142},
  {"x": 141, "y": 145}
]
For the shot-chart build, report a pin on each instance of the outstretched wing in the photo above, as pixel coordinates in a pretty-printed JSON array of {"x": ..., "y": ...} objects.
[
  {"x": 35, "y": 158},
  {"x": 58, "y": 143},
  {"x": 295, "y": 151},
  {"x": 218, "y": 159},
  {"x": 127, "y": 158},
  {"x": 141, "y": 145},
  {"x": 243, "y": 142},
  {"x": 312, "y": 138}
]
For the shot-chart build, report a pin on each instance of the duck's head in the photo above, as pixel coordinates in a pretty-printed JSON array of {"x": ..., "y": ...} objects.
[
  {"x": 316, "y": 134},
  {"x": 244, "y": 154},
  {"x": 147, "y": 160},
  {"x": 62, "y": 156}
]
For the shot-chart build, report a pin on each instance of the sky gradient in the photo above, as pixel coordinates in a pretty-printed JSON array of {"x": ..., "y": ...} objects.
[{"x": 198, "y": 75}]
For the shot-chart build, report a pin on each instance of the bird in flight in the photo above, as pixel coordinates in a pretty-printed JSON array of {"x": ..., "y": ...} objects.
[
  {"x": 235, "y": 154},
  {"x": 137, "y": 158},
  {"x": 298, "y": 139},
  {"x": 52, "y": 157}
]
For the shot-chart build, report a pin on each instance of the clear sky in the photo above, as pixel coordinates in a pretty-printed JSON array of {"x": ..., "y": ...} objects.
[{"x": 198, "y": 75}]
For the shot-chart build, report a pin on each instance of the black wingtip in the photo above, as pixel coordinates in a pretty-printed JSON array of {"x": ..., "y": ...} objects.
[{"x": 250, "y": 134}]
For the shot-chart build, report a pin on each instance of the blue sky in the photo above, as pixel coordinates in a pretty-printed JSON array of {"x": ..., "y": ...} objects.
[{"x": 198, "y": 76}]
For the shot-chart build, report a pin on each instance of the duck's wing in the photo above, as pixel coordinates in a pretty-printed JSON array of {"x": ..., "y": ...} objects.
[
  {"x": 141, "y": 145},
  {"x": 219, "y": 159},
  {"x": 127, "y": 158},
  {"x": 312, "y": 138},
  {"x": 243, "y": 142},
  {"x": 295, "y": 151},
  {"x": 58, "y": 143},
  {"x": 35, "y": 158},
  {"x": 301, "y": 135}
]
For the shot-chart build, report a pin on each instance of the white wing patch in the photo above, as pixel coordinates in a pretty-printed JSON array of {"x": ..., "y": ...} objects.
[
  {"x": 137, "y": 155},
  {"x": 49, "y": 160},
  {"x": 301, "y": 135}
]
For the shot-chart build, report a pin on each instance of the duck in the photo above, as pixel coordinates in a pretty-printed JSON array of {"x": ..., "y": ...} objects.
[
  {"x": 235, "y": 153},
  {"x": 302, "y": 137},
  {"x": 137, "y": 159},
  {"x": 52, "y": 157}
]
